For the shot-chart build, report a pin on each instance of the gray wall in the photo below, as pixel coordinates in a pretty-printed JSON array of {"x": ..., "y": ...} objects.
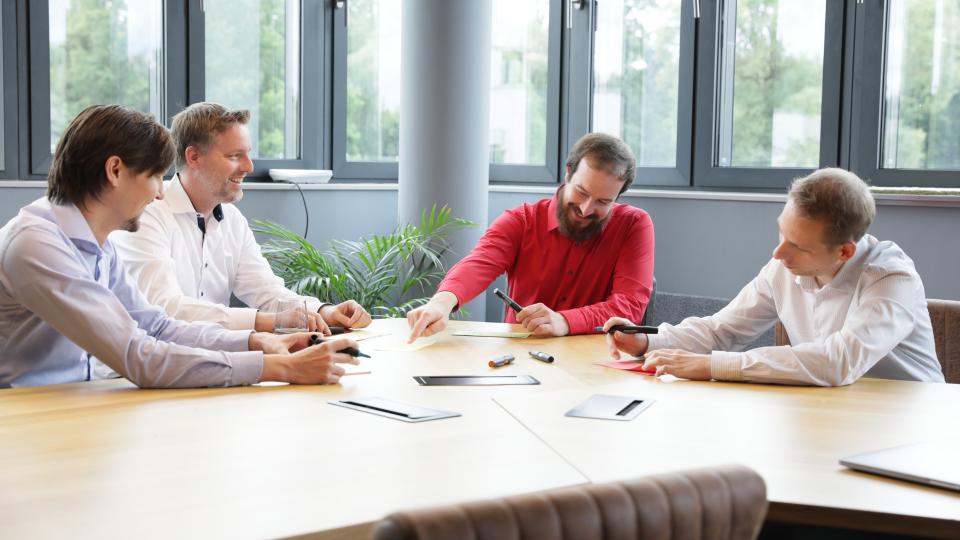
[{"x": 704, "y": 247}]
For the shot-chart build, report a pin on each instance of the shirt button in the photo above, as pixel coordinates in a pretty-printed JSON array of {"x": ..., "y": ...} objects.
[
  {"x": 201, "y": 293},
  {"x": 206, "y": 265}
]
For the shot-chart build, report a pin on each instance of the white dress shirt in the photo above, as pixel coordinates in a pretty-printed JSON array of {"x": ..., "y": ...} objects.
[
  {"x": 871, "y": 320},
  {"x": 66, "y": 301},
  {"x": 191, "y": 273}
]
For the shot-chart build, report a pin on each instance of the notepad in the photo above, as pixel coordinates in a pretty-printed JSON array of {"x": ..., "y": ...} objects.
[
  {"x": 491, "y": 333},
  {"x": 629, "y": 365}
]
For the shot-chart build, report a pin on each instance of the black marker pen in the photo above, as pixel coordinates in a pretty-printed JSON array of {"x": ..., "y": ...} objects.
[
  {"x": 507, "y": 300},
  {"x": 630, "y": 329},
  {"x": 316, "y": 340}
]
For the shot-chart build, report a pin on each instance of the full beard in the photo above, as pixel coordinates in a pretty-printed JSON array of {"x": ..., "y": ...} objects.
[{"x": 573, "y": 230}]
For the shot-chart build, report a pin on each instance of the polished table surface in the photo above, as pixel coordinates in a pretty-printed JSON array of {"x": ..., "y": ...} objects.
[{"x": 106, "y": 459}]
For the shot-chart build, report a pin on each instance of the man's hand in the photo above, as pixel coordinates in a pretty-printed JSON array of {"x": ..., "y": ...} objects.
[
  {"x": 431, "y": 318},
  {"x": 632, "y": 344},
  {"x": 543, "y": 321},
  {"x": 683, "y": 364},
  {"x": 278, "y": 343},
  {"x": 348, "y": 314},
  {"x": 310, "y": 365},
  {"x": 266, "y": 322}
]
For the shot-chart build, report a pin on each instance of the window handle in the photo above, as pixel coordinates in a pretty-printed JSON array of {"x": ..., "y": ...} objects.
[
  {"x": 571, "y": 5},
  {"x": 696, "y": 9},
  {"x": 341, "y": 4}
]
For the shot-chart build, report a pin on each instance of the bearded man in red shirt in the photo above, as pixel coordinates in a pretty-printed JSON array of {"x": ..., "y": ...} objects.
[{"x": 573, "y": 260}]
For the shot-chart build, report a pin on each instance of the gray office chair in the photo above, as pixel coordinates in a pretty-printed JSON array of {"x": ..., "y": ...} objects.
[{"x": 716, "y": 503}]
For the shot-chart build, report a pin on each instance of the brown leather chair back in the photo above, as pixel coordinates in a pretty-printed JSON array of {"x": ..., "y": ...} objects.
[
  {"x": 945, "y": 319},
  {"x": 727, "y": 502}
]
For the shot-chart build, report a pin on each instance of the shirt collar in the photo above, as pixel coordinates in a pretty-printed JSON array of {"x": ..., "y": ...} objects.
[
  {"x": 75, "y": 226},
  {"x": 552, "y": 222},
  {"x": 179, "y": 202},
  {"x": 846, "y": 279}
]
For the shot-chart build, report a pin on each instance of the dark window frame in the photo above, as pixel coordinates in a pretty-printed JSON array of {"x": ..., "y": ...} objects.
[
  {"x": 9, "y": 108},
  {"x": 579, "y": 89},
  {"x": 345, "y": 170},
  {"x": 312, "y": 45},
  {"x": 870, "y": 46},
  {"x": 707, "y": 173}
]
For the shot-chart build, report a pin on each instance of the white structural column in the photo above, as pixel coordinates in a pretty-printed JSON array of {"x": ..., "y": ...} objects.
[{"x": 445, "y": 115}]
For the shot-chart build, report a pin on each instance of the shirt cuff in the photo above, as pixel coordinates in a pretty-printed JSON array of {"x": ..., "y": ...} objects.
[
  {"x": 236, "y": 341},
  {"x": 247, "y": 367},
  {"x": 656, "y": 341},
  {"x": 576, "y": 322},
  {"x": 726, "y": 366},
  {"x": 241, "y": 318}
]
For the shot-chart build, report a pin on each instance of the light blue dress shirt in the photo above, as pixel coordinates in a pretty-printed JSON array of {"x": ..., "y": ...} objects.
[{"x": 65, "y": 298}]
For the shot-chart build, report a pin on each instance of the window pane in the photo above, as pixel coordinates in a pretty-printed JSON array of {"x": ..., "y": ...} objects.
[
  {"x": 373, "y": 80},
  {"x": 518, "y": 82},
  {"x": 252, "y": 61},
  {"x": 104, "y": 52},
  {"x": 636, "y": 74},
  {"x": 771, "y": 81},
  {"x": 922, "y": 88}
]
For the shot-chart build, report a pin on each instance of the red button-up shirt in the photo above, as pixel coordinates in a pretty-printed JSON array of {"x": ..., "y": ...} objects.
[{"x": 587, "y": 282}]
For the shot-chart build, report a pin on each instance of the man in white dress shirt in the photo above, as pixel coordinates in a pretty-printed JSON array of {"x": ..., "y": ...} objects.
[
  {"x": 852, "y": 306},
  {"x": 194, "y": 249},
  {"x": 66, "y": 301}
]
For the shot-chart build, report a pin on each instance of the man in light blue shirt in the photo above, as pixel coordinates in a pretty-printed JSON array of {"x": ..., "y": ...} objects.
[{"x": 66, "y": 301}]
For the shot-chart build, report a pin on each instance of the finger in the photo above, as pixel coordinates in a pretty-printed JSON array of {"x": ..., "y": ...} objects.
[
  {"x": 332, "y": 379},
  {"x": 612, "y": 347},
  {"x": 356, "y": 317},
  {"x": 344, "y": 358},
  {"x": 534, "y": 323},
  {"x": 337, "y": 370},
  {"x": 544, "y": 330},
  {"x": 322, "y": 326},
  {"x": 421, "y": 321},
  {"x": 613, "y": 321},
  {"x": 527, "y": 312}
]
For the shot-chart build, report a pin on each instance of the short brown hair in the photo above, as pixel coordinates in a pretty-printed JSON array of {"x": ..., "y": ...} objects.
[
  {"x": 97, "y": 133},
  {"x": 609, "y": 152},
  {"x": 839, "y": 197},
  {"x": 199, "y": 123}
]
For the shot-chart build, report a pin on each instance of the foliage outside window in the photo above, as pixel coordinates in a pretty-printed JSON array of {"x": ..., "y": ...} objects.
[
  {"x": 252, "y": 61},
  {"x": 773, "y": 84},
  {"x": 921, "y": 128},
  {"x": 636, "y": 73},
  {"x": 104, "y": 52}
]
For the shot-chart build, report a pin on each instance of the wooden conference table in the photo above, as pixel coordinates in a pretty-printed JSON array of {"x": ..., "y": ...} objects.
[{"x": 104, "y": 459}]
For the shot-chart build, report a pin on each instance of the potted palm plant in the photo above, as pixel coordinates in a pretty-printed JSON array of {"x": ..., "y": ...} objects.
[{"x": 387, "y": 274}]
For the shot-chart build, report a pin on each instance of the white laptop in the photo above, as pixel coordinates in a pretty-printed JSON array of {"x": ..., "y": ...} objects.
[{"x": 932, "y": 464}]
